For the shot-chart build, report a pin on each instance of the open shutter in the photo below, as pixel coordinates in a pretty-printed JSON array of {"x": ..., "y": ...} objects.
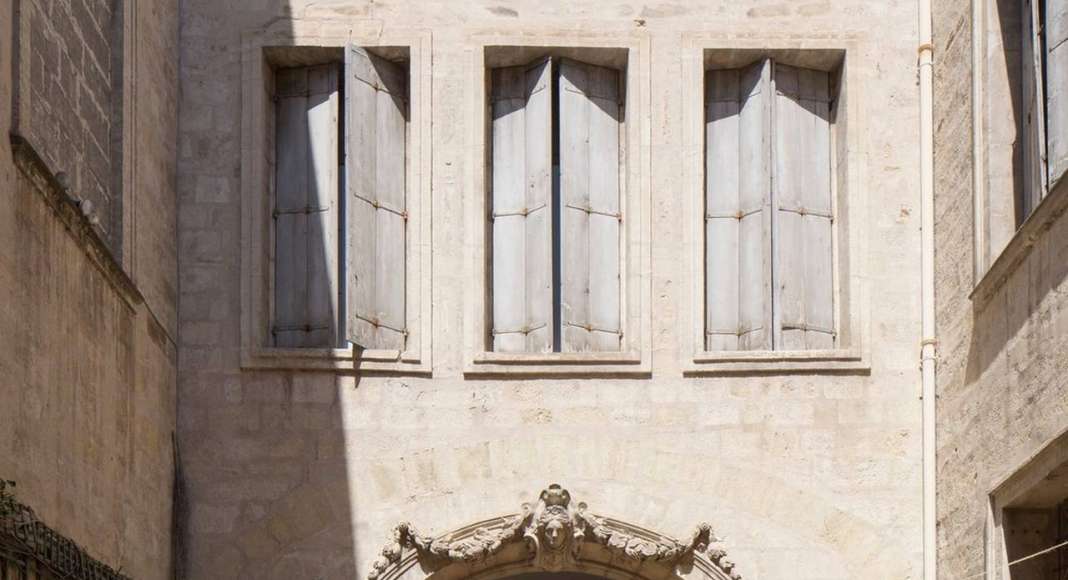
[
  {"x": 801, "y": 192},
  {"x": 1056, "y": 37},
  {"x": 521, "y": 108},
  {"x": 376, "y": 162},
  {"x": 590, "y": 215},
  {"x": 1034, "y": 124},
  {"x": 737, "y": 214},
  {"x": 305, "y": 207}
]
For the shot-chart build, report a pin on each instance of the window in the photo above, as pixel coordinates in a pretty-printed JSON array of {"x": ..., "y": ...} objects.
[
  {"x": 1045, "y": 98},
  {"x": 556, "y": 212},
  {"x": 558, "y": 206},
  {"x": 1021, "y": 95},
  {"x": 769, "y": 213},
  {"x": 319, "y": 299},
  {"x": 334, "y": 182},
  {"x": 1030, "y": 519},
  {"x": 774, "y": 166},
  {"x": 1030, "y": 529}
]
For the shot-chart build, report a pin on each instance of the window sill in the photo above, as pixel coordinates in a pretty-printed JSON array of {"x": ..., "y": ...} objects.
[
  {"x": 778, "y": 362},
  {"x": 337, "y": 359},
  {"x": 1034, "y": 228},
  {"x": 558, "y": 364}
]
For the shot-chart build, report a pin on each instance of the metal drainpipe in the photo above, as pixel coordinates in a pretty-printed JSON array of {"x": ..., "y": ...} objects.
[{"x": 928, "y": 344}]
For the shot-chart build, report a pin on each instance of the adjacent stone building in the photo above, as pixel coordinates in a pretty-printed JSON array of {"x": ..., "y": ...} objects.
[
  {"x": 1002, "y": 299},
  {"x": 88, "y": 284}
]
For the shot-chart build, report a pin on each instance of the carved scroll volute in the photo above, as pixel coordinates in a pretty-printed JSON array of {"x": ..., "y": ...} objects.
[{"x": 554, "y": 532}]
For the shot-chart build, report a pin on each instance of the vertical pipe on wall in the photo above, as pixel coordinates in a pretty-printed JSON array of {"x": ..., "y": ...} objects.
[{"x": 928, "y": 344}]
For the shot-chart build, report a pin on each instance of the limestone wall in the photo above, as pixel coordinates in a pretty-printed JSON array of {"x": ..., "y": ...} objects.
[
  {"x": 1001, "y": 373},
  {"x": 296, "y": 474},
  {"x": 87, "y": 361},
  {"x": 72, "y": 58}
]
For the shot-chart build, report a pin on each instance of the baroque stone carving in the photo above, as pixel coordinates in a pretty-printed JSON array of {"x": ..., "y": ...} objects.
[{"x": 555, "y": 532}]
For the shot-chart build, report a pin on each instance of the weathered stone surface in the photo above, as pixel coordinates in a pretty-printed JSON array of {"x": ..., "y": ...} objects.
[
  {"x": 1002, "y": 393},
  {"x": 805, "y": 475},
  {"x": 71, "y": 85},
  {"x": 88, "y": 359}
]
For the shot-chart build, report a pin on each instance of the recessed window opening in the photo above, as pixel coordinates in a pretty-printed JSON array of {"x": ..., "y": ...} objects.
[
  {"x": 557, "y": 185},
  {"x": 1023, "y": 87},
  {"x": 1035, "y": 527},
  {"x": 340, "y": 195},
  {"x": 774, "y": 168}
]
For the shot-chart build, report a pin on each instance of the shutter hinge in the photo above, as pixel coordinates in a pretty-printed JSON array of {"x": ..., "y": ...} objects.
[
  {"x": 590, "y": 210},
  {"x": 526, "y": 329}
]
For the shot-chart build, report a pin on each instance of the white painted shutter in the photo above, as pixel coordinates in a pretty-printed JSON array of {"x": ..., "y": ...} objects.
[
  {"x": 737, "y": 214},
  {"x": 802, "y": 224},
  {"x": 521, "y": 109},
  {"x": 590, "y": 215},
  {"x": 305, "y": 207},
  {"x": 1056, "y": 37},
  {"x": 376, "y": 161}
]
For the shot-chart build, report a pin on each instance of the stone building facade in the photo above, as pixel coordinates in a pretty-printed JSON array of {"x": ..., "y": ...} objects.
[
  {"x": 164, "y": 418},
  {"x": 88, "y": 282},
  {"x": 300, "y": 466}
]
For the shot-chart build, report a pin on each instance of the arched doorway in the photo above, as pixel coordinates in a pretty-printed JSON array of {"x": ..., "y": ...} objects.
[{"x": 553, "y": 539}]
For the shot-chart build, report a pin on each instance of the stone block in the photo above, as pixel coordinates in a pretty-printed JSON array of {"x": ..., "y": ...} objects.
[{"x": 315, "y": 388}]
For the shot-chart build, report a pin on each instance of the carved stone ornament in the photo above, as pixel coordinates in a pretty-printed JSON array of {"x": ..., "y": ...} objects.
[{"x": 555, "y": 532}]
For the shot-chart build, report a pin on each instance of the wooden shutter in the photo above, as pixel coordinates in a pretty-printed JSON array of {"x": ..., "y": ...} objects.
[
  {"x": 305, "y": 207},
  {"x": 1034, "y": 124},
  {"x": 376, "y": 165},
  {"x": 521, "y": 109},
  {"x": 589, "y": 136},
  {"x": 737, "y": 215},
  {"x": 802, "y": 223},
  {"x": 1056, "y": 41}
]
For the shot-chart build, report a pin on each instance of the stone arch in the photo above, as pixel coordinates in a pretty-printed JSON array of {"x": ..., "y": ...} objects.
[{"x": 552, "y": 535}]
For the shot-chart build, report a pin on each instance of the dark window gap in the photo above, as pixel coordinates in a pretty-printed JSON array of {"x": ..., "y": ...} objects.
[
  {"x": 342, "y": 213},
  {"x": 557, "y": 232}
]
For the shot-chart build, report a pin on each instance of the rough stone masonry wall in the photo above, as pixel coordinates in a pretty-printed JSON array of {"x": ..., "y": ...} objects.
[
  {"x": 1002, "y": 391},
  {"x": 72, "y": 65},
  {"x": 302, "y": 474},
  {"x": 88, "y": 371}
]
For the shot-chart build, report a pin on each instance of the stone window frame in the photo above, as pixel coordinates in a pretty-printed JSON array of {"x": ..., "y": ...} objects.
[
  {"x": 636, "y": 356},
  {"x": 256, "y": 279},
  {"x": 1029, "y": 473},
  {"x": 851, "y": 290},
  {"x": 992, "y": 269}
]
